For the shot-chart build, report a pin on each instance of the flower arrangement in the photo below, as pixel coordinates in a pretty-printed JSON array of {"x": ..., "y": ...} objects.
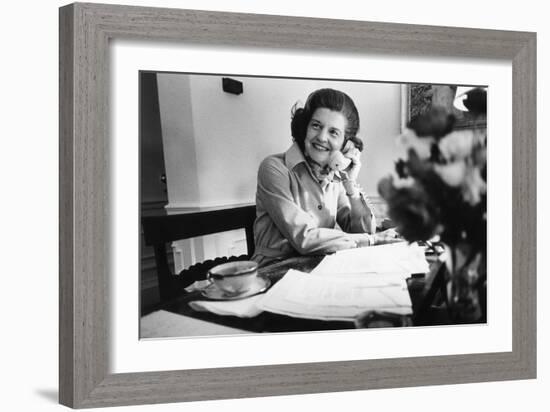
[{"x": 440, "y": 191}]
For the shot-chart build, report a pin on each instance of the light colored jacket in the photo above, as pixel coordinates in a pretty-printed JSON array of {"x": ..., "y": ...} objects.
[{"x": 298, "y": 215}]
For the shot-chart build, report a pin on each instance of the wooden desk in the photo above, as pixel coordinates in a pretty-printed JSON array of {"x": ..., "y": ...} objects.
[{"x": 422, "y": 289}]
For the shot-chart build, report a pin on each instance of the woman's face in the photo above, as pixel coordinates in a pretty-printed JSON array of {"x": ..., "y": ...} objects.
[{"x": 325, "y": 133}]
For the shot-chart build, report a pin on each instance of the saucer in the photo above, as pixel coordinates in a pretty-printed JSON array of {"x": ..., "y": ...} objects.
[{"x": 213, "y": 292}]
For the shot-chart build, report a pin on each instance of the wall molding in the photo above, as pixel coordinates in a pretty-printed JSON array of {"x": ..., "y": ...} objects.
[
  {"x": 218, "y": 204},
  {"x": 152, "y": 205}
]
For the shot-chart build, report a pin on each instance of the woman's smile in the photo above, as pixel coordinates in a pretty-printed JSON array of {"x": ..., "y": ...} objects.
[{"x": 320, "y": 147}]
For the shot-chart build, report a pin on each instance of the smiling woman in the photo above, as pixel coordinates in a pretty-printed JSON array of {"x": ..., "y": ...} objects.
[{"x": 305, "y": 203}]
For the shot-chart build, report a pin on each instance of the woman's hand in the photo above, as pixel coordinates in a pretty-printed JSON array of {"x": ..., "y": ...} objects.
[
  {"x": 352, "y": 153},
  {"x": 380, "y": 238},
  {"x": 386, "y": 236}
]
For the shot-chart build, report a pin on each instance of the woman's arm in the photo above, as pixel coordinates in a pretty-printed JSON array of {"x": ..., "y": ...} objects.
[{"x": 354, "y": 213}]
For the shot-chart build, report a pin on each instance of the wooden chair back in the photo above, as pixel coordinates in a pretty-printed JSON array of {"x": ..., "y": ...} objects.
[{"x": 160, "y": 230}]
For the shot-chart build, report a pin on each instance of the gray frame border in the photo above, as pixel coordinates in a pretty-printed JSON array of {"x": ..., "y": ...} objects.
[{"x": 85, "y": 30}]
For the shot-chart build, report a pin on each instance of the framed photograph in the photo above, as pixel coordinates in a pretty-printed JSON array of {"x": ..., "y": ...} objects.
[{"x": 100, "y": 68}]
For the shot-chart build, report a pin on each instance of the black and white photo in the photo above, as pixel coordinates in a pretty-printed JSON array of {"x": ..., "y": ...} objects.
[{"x": 353, "y": 204}]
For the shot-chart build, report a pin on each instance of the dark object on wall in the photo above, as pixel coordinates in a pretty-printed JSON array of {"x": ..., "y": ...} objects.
[
  {"x": 476, "y": 101},
  {"x": 232, "y": 86}
]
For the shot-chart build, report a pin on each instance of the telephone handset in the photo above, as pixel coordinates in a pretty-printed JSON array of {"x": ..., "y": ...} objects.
[{"x": 337, "y": 161}]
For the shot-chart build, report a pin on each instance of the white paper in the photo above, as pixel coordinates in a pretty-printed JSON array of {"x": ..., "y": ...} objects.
[
  {"x": 336, "y": 297},
  {"x": 391, "y": 258},
  {"x": 164, "y": 324},
  {"x": 243, "y": 308}
]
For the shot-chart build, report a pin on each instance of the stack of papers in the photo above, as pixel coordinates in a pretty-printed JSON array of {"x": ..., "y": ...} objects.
[
  {"x": 308, "y": 296},
  {"x": 348, "y": 283},
  {"x": 399, "y": 257}
]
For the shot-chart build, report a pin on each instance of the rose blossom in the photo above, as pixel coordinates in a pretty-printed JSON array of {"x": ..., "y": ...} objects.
[
  {"x": 453, "y": 173},
  {"x": 411, "y": 208},
  {"x": 421, "y": 145},
  {"x": 457, "y": 145},
  {"x": 473, "y": 186}
]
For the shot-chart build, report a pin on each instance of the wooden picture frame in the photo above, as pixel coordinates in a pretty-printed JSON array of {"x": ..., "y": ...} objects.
[{"x": 85, "y": 31}]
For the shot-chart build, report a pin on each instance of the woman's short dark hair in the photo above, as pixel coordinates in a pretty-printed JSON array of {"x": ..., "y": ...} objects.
[{"x": 331, "y": 99}]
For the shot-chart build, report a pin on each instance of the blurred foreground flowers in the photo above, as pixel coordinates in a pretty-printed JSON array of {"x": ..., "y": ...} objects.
[{"x": 440, "y": 191}]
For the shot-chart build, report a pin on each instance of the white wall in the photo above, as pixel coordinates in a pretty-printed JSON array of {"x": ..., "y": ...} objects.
[
  {"x": 215, "y": 140},
  {"x": 29, "y": 171}
]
